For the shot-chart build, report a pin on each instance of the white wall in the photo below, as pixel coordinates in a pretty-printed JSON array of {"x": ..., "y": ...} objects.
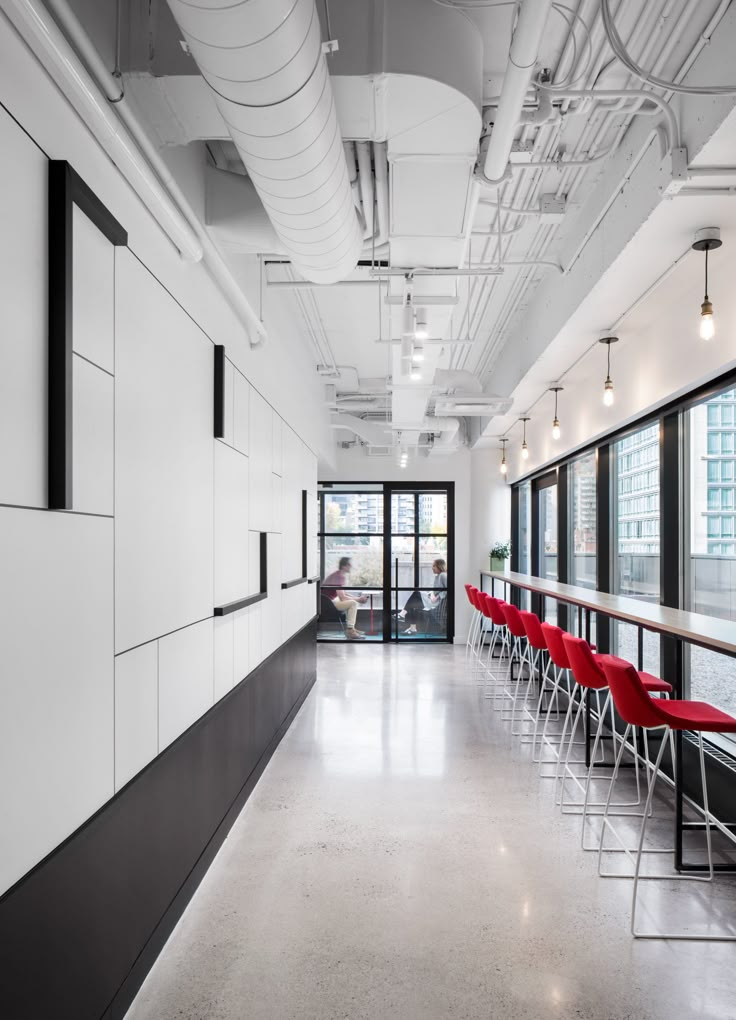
[
  {"x": 109, "y": 649},
  {"x": 354, "y": 466},
  {"x": 490, "y": 507}
]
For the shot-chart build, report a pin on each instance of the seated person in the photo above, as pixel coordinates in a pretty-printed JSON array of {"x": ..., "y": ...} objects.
[
  {"x": 420, "y": 601},
  {"x": 333, "y": 587}
]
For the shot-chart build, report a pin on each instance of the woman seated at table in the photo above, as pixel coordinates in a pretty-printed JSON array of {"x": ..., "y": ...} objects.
[{"x": 421, "y": 602}]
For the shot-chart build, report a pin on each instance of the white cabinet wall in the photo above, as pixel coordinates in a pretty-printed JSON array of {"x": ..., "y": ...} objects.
[{"x": 109, "y": 647}]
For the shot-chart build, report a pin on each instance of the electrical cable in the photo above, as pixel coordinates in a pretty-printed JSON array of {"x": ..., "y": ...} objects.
[
  {"x": 563, "y": 10},
  {"x": 617, "y": 45}
]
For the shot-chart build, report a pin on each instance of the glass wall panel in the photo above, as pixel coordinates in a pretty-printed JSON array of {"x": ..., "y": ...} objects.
[
  {"x": 583, "y": 521},
  {"x": 357, "y": 512},
  {"x": 710, "y": 586},
  {"x": 366, "y": 556},
  {"x": 636, "y": 546},
  {"x": 548, "y": 544},
  {"x": 402, "y": 513}
]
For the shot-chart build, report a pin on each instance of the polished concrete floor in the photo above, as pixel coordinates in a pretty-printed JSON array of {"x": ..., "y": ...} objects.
[{"x": 401, "y": 858}]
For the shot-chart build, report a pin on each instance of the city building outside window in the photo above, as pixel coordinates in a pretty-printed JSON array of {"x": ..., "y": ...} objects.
[{"x": 710, "y": 585}]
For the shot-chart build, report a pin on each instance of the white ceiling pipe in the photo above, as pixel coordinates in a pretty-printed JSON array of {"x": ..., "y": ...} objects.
[
  {"x": 380, "y": 160},
  {"x": 522, "y": 60},
  {"x": 373, "y": 434},
  {"x": 365, "y": 180},
  {"x": 39, "y": 30},
  {"x": 263, "y": 61},
  {"x": 131, "y": 150}
]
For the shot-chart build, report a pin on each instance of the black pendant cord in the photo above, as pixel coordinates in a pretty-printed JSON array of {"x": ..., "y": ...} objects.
[
  {"x": 706, "y": 274},
  {"x": 608, "y": 363}
]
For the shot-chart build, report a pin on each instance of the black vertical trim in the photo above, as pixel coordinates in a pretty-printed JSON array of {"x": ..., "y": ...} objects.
[
  {"x": 563, "y": 538},
  {"x": 219, "y": 392},
  {"x": 603, "y": 547},
  {"x": 450, "y": 619},
  {"x": 250, "y": 600},
  {"x": 670, "y": 544},
  {"x": 416, "y": 539},
  {"x": 65, "y": 190},
  {"x": 305, "y": 496},
  {"x": 388, "y": 615},
  {"x": 60, "y": 439},
  {"x": 537, "y": 602},
  {"x": 263, "y": 571},
  {"x": 515, "y": 528}
]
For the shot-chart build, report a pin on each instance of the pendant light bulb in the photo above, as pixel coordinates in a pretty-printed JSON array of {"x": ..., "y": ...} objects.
[
  {"x": 607, "y": 339},
  {"x": 524, "y": 447},
  {"x": 416, "y": 373},
  {"x": 707, "y": 240},
  {"x": 417, "y": 355},
  {"x": 707, "y": 325},
  {"x": 555, "y": 421},
  {"x": 504, "y": 465}
]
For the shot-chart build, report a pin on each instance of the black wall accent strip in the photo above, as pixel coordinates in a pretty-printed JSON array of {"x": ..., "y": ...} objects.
[
  {"x": 263, "y": 548},
  {"x": 294, "y": 583},
  {"x": 305, "y": 497},
  {"x": 65, "y": 190},
  {"x": 60, "y": 338},
  {"x": 250, "y": 600},
  {"x": 80, "y": 931},
  {"x": 219, "y": 392},
  {"x": 233, "y": 607}
]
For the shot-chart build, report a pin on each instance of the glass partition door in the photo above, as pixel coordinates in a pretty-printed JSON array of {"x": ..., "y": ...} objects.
[
  {"x": 419, "y": 565},
  {"x": 386, "y": 562}
]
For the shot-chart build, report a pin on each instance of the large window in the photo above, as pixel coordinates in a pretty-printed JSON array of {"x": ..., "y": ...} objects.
[
  {"x": 710, "y": 560},
  {"x": 583, "y": 521},
  {"x": 547, "y": 497},
  {"x": 636, "y": 522}
]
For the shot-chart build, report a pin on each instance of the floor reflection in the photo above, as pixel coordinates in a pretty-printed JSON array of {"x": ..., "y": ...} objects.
[{"x": 373, "y": 724}]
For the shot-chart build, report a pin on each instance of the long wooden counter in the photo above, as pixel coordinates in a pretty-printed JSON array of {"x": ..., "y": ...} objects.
[{"x": 695, "y": 628}]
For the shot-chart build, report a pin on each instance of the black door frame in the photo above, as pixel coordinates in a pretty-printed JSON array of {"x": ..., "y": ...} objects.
[{"x": 386, "y": 491}]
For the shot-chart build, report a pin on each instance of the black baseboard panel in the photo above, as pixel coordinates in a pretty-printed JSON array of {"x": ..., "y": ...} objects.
[{"x": 79, "y": 932}]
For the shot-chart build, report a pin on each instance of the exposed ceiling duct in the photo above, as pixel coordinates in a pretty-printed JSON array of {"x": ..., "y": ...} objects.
[
  {"x": 264, "y": 63},
  {"x": 523, "y": 56}
]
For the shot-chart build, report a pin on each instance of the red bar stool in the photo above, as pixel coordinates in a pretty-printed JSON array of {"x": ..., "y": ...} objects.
[
  {"x": 558, "y": 656},
  {"x": 589, "y": 675},
  {"x": 537, "y": 648},
  {"x": 494, "y": 609},
  {"x": 519, "y": 652},
  {"x": 637, "y": 708},
  {"x": 472, "y": 593}
]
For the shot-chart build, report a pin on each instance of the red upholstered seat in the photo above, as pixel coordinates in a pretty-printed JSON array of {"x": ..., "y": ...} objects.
[
  {"x": 587, "y": 668},
  {"x": 495, "y": 610},
  {"x": 513, "y": 620},
  {"x": 555, "y": 645},
  {"x": 533, "y": 628},
  {"x": 635, "y": 705},
  {"x": 654, "y": 684}
]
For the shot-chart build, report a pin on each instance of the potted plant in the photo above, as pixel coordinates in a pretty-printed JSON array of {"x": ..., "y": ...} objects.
[{"x": 500, "y": 552}]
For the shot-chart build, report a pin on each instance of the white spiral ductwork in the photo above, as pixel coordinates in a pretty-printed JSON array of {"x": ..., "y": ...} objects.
[{"x": 263, "y": 61}]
